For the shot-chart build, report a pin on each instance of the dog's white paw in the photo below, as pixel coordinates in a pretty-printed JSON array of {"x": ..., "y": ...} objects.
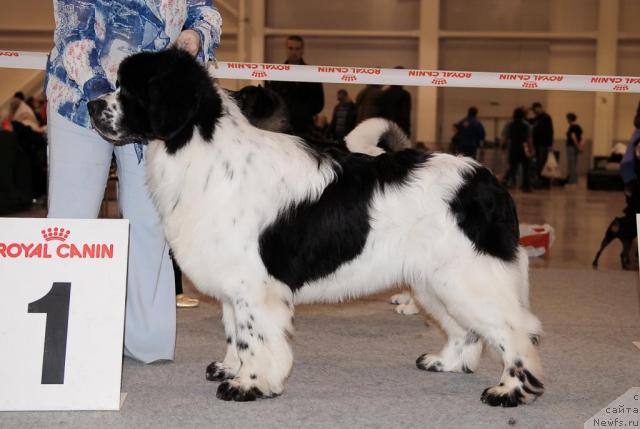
[
  {"x": 407, "y": 309},
  {"x": 430, "y": 362},
  {"x": 436, "y": 363},
  {"x": 401, "y": 298},
  {"x": 231, "y": 390},
  {"x": 518, "y": 387},
  {"x": 240, "y": 389},
  {"x": 219, "y": 371}
]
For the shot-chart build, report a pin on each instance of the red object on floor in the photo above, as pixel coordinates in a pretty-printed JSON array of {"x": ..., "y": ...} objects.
[{"x": 541, "y": 239}]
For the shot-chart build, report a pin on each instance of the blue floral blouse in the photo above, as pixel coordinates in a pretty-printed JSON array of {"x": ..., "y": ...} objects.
[{"x": 93, "y": 37}]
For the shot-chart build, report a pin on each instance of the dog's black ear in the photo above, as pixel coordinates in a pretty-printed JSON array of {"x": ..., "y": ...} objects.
[{"x": 173, "y": 103}]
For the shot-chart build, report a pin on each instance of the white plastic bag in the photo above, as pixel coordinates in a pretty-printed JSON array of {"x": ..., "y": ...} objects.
[{"x": 551, "y": 169}]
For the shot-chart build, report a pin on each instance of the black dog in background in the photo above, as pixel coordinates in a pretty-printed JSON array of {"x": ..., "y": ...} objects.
[
  {"x": 625, "y": 229},
  {"x": 264, "y": 108}
]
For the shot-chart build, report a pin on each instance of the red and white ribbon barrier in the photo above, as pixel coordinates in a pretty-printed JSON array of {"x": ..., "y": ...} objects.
[
  {"x": 22, "y": 60},
  {"x": 381, "y": 76}
]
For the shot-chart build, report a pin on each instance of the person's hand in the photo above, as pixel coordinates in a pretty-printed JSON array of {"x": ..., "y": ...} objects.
[{"x": 189, "y": 40}]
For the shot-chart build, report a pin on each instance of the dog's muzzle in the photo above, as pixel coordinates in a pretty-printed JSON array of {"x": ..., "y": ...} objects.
[
  {"x": 96, "y": 106},
  {"x": 104, "y": 119}
]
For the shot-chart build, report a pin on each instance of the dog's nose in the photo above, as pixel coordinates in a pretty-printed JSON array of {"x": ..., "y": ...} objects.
[{"x": 96, "y": 106}]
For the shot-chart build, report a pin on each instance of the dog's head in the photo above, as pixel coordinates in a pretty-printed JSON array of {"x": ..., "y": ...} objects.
[
  {"x": 264, "y": 108},
  {"x": 160, "y": 96}
]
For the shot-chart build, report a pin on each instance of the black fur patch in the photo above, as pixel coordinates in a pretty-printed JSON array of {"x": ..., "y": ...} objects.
[
  {"x": 384, "y": 144},
  {"x": 487, "y": 215},
  {"x": 264, "y": 108},
  {"x": 510, "y": 399},
  {"x": 472, "y": 337},
  {"x": 165, "y": 95},
  {"x": 314, "y": 238}
]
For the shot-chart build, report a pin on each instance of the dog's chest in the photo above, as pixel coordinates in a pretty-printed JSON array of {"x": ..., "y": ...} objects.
[{"x": 212, "y": 209}]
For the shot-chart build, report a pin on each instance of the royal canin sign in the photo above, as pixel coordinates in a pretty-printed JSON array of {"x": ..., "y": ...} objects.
[
  {"x": 440, "y": 74},
  {"x": 55, "y": 245},
  {"x": 350, "y": 74}
]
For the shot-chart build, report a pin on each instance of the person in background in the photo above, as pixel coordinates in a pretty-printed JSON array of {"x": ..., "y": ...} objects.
[
  {"x": 517, "y": 134},
  {"x": 303, "y": 99},
  {"x": 321, "y": 125},
  {"x": 630, "y": 167},
  {"x": 395, "y": 104},
  {"x": 90, "y": 41},
  {"x": 182, "y": 300},
  {"x": 453, "y": 144},
  {"x": 542, "y": 133},
  {"x": 575, "y": 145},
  {"x": 470, "y": 134},
  {"x": 344, "y": 116},
  {"x": 367, "y": 102},
  {"x": 19, "y": 111},
  {"x": 34, "y": 103}
]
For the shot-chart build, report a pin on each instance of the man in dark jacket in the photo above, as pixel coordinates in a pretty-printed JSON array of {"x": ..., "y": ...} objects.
[
  {"x": 367, "y": 102},
  {"x": 395, "y": 104},
  {"x": 303, "y": 99},
  {"x": 470, "y": 134},
  {"x": 542, "y": 133},
  {"x": 344, "y": 117}
]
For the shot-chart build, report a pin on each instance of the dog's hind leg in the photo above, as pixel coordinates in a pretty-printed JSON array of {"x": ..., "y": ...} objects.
[
  {"x": 521, "y": 378},
  {"x": 484, "y": 298},
  {"x": 464, "y": 347},
  {"x": 228, "y": 368},
  {"x": 263, "y": 322},
  {"x": 609, "y": 236}
]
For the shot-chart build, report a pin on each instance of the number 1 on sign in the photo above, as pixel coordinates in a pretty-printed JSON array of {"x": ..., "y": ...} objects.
[{"x": 55, "y": 304}]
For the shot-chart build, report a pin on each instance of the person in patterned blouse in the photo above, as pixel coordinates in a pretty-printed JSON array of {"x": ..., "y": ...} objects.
[{"x": 91, "y": 39}]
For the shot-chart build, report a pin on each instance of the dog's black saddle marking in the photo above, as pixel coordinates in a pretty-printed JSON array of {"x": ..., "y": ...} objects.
[
  {"x": 486, "y": 214},
  {"x": 312, "y": 239}
]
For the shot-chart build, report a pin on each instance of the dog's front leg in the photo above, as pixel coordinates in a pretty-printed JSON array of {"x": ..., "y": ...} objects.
[
  {"x": 229, "y": 367},
  {"x": 263, "y": 322}
]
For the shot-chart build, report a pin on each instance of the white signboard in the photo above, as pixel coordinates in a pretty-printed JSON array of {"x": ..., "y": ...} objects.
[{"x": 62, "y": 296}]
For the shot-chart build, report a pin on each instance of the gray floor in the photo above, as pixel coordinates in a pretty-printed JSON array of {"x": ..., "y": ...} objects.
[{"x": 355, "y": 368}]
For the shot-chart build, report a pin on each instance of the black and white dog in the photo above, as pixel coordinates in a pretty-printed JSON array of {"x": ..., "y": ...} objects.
[{"x": 263, "y": 220}]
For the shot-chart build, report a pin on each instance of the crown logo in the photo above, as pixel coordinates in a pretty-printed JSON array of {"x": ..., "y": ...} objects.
[
  {"x": 621, "y": 88},
  {"x": 438, "y": 81},
  {"x": 258, "y": 74},
  {"x": 529, "y": 85},
  {"x": 56, "y": 233},
  {"x": 349, "y": 77}
]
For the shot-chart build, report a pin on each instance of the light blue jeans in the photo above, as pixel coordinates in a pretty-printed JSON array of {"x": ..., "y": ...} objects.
[{"x": 79, "y": 163}]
